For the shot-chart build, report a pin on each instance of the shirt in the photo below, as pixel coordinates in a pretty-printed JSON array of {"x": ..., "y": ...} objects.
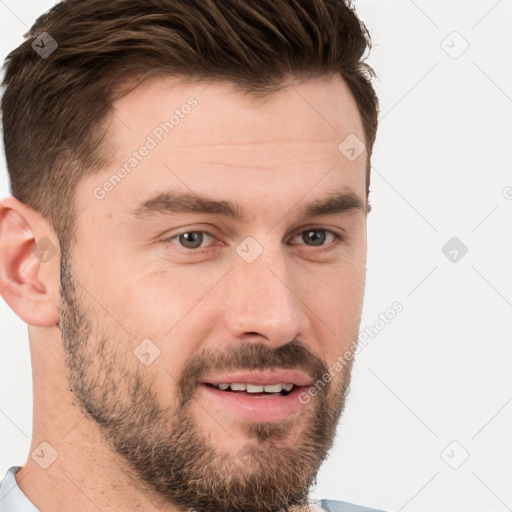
[{"x": 12, "y": 499}]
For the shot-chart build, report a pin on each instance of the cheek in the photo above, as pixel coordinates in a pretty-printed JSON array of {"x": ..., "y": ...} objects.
[
  {"x": 340, "y": 308},
  {"x": 171, "y": 301},
  {"x": 175, "y": 311},
  {"x": 336, "y": 289},
  {"x": 335, "y": 303}
]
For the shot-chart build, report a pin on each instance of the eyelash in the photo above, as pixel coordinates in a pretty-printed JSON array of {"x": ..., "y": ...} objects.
[{"x": 337, "y": 239}]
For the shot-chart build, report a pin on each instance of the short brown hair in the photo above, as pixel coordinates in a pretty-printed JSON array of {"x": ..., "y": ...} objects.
[{"x": 55, "y": 109}]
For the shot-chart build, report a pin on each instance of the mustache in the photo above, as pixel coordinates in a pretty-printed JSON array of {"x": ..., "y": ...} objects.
[{"x": 294, "y": 355}]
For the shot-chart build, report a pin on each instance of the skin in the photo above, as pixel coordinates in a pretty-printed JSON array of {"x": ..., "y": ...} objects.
[{"x": 273, "y": 157}]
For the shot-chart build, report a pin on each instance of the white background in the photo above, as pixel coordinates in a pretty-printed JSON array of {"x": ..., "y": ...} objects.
[{"x": 434, "y": 386}]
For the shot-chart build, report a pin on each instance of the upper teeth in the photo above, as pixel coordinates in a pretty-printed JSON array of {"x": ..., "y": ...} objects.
[{"x": 255, "y": 388}]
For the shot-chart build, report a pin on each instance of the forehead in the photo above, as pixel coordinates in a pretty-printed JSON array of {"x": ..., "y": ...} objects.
[
  {"x": 210, "y": 139},
  {"x": 315, "y": 110}
]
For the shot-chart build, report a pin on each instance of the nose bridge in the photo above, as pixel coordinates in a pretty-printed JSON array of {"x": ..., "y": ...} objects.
[{"x": 262, "y": 298}]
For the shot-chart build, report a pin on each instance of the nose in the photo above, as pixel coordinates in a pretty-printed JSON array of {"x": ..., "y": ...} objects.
[{"x": 263, "y": 302}]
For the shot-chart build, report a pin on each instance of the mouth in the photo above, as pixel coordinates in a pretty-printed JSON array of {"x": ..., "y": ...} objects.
[
  {"x": 255, "y": 390},
  {"x": 257, "y": 396}
]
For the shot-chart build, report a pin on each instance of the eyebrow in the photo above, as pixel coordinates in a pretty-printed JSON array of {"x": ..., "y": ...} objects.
[{"x": 178, "y": 202}]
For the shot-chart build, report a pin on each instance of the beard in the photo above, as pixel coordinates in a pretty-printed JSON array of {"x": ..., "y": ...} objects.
[{"x": 165, "y": 449}]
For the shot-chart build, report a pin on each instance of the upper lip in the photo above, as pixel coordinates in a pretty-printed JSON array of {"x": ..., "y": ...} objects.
[{"x": 262, "y": 378}]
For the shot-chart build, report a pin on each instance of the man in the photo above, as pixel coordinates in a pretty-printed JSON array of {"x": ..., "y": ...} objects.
[{"x": 186, "y": 240}]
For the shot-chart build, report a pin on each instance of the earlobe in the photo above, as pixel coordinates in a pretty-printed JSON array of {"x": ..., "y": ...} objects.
[{"x": 29, "y": 264}]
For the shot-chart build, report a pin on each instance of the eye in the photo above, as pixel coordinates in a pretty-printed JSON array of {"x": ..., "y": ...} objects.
[
  {"x": 190, "y": 239},
  {"x": 193, "y": 240},
  {"x": 317, "y": 237}
]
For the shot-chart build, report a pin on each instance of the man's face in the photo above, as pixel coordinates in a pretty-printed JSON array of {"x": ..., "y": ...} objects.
[{"x": 162, "y": 305}]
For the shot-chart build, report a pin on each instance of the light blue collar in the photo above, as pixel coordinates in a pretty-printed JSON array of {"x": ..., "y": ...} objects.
[{"x": 12, "y": 498}]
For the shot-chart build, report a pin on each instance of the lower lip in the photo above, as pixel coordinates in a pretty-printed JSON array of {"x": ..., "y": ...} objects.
[{"x": 257, "y": 408}]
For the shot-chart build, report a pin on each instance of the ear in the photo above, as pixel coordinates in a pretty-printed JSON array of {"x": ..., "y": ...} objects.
[{"x": 29, "y": 264}]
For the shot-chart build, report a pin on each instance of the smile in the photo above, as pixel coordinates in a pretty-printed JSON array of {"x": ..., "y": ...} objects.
[
  {"x": 257, "y": 396},
  {"x": 256, "y": 389}
]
